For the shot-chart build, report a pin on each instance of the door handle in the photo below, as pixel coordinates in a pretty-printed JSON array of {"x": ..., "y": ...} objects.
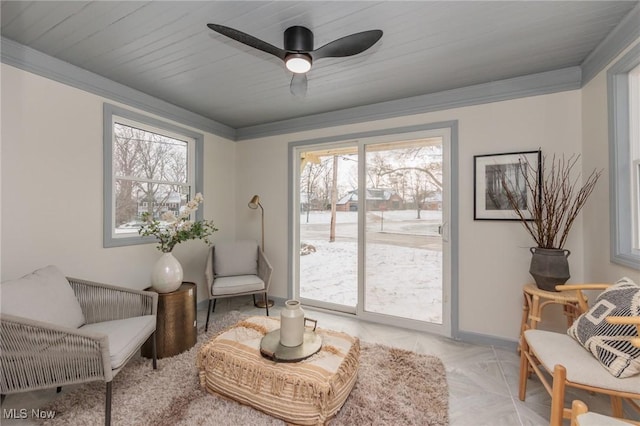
[{"x": 443, "y": 231}]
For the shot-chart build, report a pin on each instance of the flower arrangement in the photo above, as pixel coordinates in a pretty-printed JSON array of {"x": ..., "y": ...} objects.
[
  {"x": 174, "y": 229},
  {"x": 556, "y": 199}
]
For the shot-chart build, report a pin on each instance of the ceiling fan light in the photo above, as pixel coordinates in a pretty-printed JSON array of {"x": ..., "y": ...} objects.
[{"x": 298, "y": 63}]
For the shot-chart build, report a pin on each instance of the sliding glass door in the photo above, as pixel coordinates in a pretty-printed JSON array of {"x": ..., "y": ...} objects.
[{"x": 370, "y": 228}]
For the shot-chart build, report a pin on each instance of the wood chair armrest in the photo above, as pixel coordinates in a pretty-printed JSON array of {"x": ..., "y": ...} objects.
[
  {"x": 623, "y": 320},
  {"x": 627, "y": 321},
  {"x": 582, "y": 287},
  {"x": 579, "y": 289}
]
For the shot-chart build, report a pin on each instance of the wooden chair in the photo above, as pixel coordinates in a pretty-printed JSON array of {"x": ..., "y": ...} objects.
[
  {"x": 571, "y": 365},
  {"x": 580, "y": 416}
]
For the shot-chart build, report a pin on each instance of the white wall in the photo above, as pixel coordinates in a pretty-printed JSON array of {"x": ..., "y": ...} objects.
[
  {"x": 595, "y": 151},
  {"x": 52, "y": 188},
  {"x": 51, "y": 170},
  {"x": 493, "y": 256}
]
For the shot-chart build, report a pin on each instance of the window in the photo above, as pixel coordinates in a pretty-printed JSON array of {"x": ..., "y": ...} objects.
[
  {"x": 634, "y": 152},
  {"x": 623, "y": 84},
  {"x": 149, "y": 166}
]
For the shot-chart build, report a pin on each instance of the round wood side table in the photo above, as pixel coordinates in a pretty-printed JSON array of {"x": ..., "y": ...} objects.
[
  {"x": 176, "y": 327},
  {"x": 536, "y": 299}
]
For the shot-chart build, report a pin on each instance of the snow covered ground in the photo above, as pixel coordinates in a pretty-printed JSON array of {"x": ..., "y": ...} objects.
[{"x": 403, "y": 262}]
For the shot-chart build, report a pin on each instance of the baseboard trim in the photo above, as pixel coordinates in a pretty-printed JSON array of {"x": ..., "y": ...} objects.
[
  {"x": 486, "y": 340},
  {"x": 203, "y": 304}
]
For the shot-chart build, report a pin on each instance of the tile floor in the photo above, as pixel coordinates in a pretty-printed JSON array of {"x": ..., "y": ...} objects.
[{"x": 483, "y": 380}]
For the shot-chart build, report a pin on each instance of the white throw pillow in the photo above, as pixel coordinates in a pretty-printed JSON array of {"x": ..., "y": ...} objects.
[
  {"x": 236, "y": 258},
  {"x": 43, "y": 295}
]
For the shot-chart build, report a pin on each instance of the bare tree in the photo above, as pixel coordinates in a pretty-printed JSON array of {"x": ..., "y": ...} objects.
[
  {"x": 310, "y": 180},
  {"x": 416, "y": 172},
  {"x": 142, "y": 161},
  {"x": 334, "y": 200}
]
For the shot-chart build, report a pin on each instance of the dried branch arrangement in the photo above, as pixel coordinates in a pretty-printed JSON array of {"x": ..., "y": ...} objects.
[{"x": 556, "y": 199}]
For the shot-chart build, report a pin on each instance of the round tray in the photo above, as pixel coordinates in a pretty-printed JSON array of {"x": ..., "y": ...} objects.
[{"x": 271, "y": 348}]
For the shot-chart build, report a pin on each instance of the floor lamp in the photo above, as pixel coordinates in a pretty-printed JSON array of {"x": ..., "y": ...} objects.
[{"x": 254, "y": 203}]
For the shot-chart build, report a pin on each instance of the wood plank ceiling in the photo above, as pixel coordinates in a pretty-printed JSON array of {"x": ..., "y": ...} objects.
[{"x": 163, "y": 48}]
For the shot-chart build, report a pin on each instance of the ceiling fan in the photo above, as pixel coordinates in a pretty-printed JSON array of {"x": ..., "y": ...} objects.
[{"x": 298, "y": 53}]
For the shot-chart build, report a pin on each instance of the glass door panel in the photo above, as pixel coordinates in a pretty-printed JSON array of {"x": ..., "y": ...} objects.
[
  {"x": 328, "y": 228},
  {"x": 403, "y": 216}
]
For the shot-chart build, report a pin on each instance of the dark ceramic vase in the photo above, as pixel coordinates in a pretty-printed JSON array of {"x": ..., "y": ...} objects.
[{"x": 549, "y": 267}]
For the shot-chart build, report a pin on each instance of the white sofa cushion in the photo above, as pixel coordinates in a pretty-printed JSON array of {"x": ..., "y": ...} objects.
[
  {"x": 236, "y": 258},
  {"x": 236, "y": 284},
  {"x": 595, "y": 419},
  {"x": 125, "y": 336},
  {"x": 43, "y": 295},
  {"x": 552, "y": 348}
]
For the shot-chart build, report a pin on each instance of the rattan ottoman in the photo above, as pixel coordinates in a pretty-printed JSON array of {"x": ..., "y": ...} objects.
[{"x": 303, "y": 393}]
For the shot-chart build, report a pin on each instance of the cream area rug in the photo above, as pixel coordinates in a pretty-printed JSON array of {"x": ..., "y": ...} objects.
[{"x": 394, "y": 387}]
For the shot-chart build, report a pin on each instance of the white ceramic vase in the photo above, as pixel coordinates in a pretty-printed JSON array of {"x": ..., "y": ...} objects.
[
  {"x": 291, "y": 324},
  {"x": 166, "y": 275}
]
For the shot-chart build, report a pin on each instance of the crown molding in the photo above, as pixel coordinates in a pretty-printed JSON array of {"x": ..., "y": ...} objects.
[
  {"x": 623, "y": 35},
  {"x": 36, "y": 62},
  {"x": 512, "y": 88},
  {"x": 31, "y": 60}
]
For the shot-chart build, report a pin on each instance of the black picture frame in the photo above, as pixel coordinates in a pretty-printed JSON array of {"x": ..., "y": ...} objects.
[{"x": 489, "y": 200}]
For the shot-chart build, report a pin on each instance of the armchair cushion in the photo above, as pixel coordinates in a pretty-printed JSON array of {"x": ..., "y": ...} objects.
[
  {"x": 43, "y": 295},
  {"x": 236, "y": 258},
  {"x": 236, "y": 284},
  {"x": 125, "y": 336},
  {"x": 611, "y": 344},
  {"x": 552, "y": 348}
]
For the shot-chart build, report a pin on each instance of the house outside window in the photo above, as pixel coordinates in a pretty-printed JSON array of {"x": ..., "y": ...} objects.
[
  {"x": 149, "y": 167},
  {"x": 623, "y": 85}
]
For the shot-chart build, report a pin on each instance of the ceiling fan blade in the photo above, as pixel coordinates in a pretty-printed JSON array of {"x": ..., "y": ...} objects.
[
  {"x": 348, "y": 46},
  {"x": 249, "y": 40},
  {"x": 298, "y": 85}
]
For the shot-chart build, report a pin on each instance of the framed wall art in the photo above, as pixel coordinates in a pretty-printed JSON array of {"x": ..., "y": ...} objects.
[{"x": 490, "y": 197}]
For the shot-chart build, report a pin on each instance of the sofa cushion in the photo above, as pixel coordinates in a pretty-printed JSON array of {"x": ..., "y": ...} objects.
[
  {"x": 611, "y": 343},
  {"x": 236, "y": 284},
  {"x": 43, "y": 295},
  {"x": 236, "y": 258},
  {"x": 125, "y": 336},
  {"x": 552, "y": 348}
]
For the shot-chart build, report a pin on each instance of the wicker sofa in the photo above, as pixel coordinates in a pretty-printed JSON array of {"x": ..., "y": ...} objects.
[{"x": 57, "y": 331}]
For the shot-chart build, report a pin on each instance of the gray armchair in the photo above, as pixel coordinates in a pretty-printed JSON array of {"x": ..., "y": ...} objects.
[
  {"x": 237, "y": 269},
  {"x": 56, "y": 331}
]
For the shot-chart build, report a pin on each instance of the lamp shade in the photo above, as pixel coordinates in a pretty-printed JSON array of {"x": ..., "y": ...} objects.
[{"x": 254, "y": 202}]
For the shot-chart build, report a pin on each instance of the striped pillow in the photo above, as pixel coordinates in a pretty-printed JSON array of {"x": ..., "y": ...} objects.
[{"x": 610, "y": 343}]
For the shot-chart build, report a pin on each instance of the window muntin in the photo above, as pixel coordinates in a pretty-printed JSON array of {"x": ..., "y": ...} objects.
[{"x": 149, "y": 166}]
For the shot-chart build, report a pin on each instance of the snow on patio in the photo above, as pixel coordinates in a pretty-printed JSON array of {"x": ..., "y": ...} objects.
[{"x": 404, "y": 270}]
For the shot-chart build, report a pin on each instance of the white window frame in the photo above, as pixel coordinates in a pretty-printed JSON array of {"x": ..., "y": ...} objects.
[
  {"x": 195, "y": 152},
  {"x": 634, "y": 152},
  {"x": 625, "y": 222}
]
